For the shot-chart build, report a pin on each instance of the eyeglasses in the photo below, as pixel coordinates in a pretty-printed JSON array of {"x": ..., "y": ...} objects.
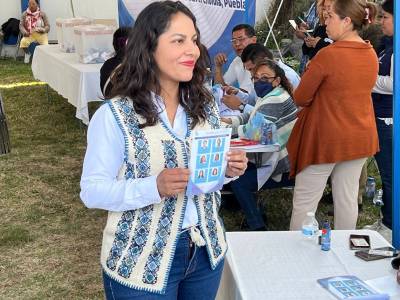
[
  {"x": 238, "y": 40},
  {"x": 263, "y": 79}
]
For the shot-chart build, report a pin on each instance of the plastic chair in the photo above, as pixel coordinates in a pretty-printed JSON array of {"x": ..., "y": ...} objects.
[{"x": 11, "y": 41}]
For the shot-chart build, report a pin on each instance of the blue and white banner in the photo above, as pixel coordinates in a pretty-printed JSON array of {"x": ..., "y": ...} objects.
[{"x": 215, "y": 19}]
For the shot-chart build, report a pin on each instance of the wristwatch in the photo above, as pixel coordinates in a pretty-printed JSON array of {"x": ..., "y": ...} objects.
[{"x": 241, "y": 108}]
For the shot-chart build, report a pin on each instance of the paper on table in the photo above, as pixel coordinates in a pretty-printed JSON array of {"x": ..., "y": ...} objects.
[
  {"x": 208, "y": 161},
  {"x": 386, "y": 284}
]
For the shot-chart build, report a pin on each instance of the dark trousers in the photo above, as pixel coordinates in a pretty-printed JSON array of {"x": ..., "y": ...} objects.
[
  {"x": 384, "y": 161},
  {"x": 244, "y": 188}
]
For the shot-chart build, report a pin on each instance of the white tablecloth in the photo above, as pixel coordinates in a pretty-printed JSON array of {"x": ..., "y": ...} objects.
[
  {"x": 282, "y": 265},
  {"x": 79, "y": 83}
]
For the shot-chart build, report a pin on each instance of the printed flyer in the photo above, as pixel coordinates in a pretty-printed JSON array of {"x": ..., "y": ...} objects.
[{"x": 208, "y": 161}]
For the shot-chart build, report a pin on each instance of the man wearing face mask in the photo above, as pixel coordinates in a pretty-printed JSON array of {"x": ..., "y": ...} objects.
[{"x": 276, "y": 105}]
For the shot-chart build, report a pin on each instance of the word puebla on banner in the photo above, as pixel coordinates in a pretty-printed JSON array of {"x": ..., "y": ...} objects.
[{"x": 231, "y": 4}]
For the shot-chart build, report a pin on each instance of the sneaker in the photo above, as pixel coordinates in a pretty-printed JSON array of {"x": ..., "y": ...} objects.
[{"x": 27, "y": 58}]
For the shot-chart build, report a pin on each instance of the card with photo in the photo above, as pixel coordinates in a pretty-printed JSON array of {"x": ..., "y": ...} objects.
[
  {"x": 216, "y": 159},
  {"x": 201, "y": 176},
  {"x": 204, "y": 145},
  {"x": 348, "y": 286},
  {"x": 203, "y": 161},
  {"x": 218, "y": 144},
  {"x": 213, "y": 173},
  {"x": 208, "y": 160}
]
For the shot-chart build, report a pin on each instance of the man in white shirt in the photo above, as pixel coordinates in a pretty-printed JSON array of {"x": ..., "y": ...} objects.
[
  {"x": 256, "y": 51},
  {"x": 234, "y": 98},
  {"x": 242, "y": 35}
]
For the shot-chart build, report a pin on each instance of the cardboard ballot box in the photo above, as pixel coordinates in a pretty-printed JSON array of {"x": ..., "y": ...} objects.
[
  {"x": 94, "y": 43},
  {"x": 65, "y": 32}
]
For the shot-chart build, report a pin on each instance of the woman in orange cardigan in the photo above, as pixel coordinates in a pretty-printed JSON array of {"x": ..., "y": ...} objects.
[{"x": 335, "y": 131}]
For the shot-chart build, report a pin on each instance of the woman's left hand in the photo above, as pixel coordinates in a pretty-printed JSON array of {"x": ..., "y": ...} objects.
[{"x": 237, "y": 163}]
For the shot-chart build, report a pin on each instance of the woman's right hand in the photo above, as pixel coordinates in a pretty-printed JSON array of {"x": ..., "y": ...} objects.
[
  {"x": 171, "y": 182},
  {"x": 301, "y": 28}
]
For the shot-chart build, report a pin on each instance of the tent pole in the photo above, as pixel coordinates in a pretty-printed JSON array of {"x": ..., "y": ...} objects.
[
  {"x": 274, "y": 38},
  {"x": 396, "y": 131},
  {"x": 72, "y": 8},
  {"x": 273, "y": 22}
]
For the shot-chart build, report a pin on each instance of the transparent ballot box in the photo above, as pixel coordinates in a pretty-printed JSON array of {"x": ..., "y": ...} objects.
[
  {"x": 94, "y": 43},
  {"x": 65, "y": 32}
]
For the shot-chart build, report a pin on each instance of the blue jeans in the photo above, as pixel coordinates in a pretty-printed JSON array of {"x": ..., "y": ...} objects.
[
  {"x": 384, "y": 161},
  {"x": 244, "y": 188},
  {"x": 190, "y": 277}
]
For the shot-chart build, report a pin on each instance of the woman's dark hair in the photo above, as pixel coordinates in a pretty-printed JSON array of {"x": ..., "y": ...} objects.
[
  {"x": 285, "y": 83},
  {"x": 138, "y": 75},
  {"x": 361, "y": 12},
  {"x": 119, "y": 39},
  {"x": 387, "y": 6}
]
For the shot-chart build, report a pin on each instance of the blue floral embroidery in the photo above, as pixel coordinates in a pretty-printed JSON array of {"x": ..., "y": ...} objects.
[
  {"x": 139, "y": 240},
  {"x": 121, "y": 238},
  {"x": 142, "y": 157},
  {"x": 164, "y": 224},
  {"x": 212, "y": 117},
  {"x": 211, "y": 224},
  {"x": 130, "y": 171},
  {"x": 142, "y": 153}
]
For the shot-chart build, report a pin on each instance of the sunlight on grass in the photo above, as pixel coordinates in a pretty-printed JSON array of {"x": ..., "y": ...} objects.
[{"x": 21, "y": 84}]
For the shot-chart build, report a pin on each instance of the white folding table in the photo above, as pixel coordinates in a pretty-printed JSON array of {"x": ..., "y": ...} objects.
[
  {"x": 282, "y": 265},
  {"x": 77, "y": 82}
]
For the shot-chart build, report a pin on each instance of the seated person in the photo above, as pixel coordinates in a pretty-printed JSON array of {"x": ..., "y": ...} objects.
[
  {"x": 256, "y": 51},
  {"x": 250, "y": 55},
  {"x": 119, "y": 41},
  {"x": 275, "y": 103},
  {"x": 242, "y": 35},
  {"x": 34, "y": 27}
]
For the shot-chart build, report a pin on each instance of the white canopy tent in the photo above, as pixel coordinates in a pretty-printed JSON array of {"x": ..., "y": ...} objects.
[{"x": 97, "y": 9}]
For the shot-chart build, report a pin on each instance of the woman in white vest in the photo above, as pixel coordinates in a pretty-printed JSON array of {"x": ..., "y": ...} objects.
[{"x": 157, "y": 243}]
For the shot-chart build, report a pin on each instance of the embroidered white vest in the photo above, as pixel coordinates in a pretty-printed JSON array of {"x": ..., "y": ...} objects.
[{"x": 139, "y": 245}]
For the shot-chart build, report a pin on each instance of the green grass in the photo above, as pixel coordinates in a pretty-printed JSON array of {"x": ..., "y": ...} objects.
[{"x": 49, "y": 242}]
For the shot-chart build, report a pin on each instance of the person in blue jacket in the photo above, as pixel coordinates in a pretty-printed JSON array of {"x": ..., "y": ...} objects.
[{"x": 382, "y": 97}]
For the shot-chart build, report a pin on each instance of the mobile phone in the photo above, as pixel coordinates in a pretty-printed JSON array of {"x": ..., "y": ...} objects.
[
  {"x": 365, "y": 255},
  {"x": 293, "y": 23}
]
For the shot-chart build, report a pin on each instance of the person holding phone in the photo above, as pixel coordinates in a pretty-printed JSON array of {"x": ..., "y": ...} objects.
[
  {"x": 310, "y": 22},
  {"x": 383, "y": 106},
  {"x": 319, "y": 39}
]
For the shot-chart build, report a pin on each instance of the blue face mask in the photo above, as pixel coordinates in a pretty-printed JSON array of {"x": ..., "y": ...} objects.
[{"x": 262, "y": 88}]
